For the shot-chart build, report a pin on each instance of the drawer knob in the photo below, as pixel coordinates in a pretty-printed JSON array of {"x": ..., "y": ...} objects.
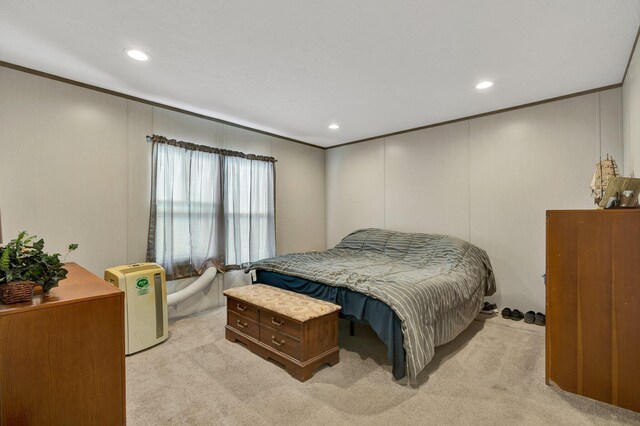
[
  {"x": 275, "y": 342},
  {"x": 241, "y": 324},
  {"x": 240, "y": 307},
  {"x": 276, "y": 322}
]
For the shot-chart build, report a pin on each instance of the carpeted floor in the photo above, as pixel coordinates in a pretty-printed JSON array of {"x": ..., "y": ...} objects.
[{"x": 493, "y": 373}]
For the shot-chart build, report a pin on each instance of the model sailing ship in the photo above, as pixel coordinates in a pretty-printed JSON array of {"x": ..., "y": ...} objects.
[{"x": 605, "y": 170}]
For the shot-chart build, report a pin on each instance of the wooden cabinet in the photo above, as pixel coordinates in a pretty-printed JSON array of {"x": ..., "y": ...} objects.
[
  {"x": 301, "y": 346},
  {"x": 62, "y": 355},
  {"x": 593, "y": 304}
]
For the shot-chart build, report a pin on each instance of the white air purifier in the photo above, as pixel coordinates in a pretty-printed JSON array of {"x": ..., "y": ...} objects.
[{"x": 145, "y": 303}]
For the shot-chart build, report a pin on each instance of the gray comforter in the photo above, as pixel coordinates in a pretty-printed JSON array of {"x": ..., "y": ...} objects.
[{"x": 434, "y": 283}]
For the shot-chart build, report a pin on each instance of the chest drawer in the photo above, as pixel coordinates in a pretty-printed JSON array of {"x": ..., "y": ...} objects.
[
  {"x": 281, "y": 324},
  {"x": 243, "y": 324},
  {"x": 280, "y": 342},
  {"x": 243, "y": 309}
]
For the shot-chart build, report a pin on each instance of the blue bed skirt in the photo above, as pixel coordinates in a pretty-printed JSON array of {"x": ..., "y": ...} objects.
[{"x": 382, "y": 319}]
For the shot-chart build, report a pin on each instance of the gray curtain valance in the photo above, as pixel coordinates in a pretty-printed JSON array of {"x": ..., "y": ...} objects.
[{"x": 210, "y": 149}]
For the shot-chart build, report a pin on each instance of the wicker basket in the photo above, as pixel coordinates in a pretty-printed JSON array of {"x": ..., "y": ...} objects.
[{"x": 16, "y": 291}]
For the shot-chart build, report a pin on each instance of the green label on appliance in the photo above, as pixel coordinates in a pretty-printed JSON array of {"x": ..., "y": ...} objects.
[{"x": 142, "y": 283}]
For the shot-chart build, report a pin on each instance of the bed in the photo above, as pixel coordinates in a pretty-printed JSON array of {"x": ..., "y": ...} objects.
[{"x": 417, "y": 291}]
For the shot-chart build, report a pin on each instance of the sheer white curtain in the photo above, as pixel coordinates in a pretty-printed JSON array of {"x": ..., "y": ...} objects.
[
  {"x": 249, "y": 210},
  {"x": 187, "y": 199},
  {"x": 209, "y": 207}
]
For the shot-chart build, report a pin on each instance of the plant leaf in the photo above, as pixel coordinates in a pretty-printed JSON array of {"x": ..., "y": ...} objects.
[
  {"x": 39, "y": 245},
  {"x": 4, "y": 261}
]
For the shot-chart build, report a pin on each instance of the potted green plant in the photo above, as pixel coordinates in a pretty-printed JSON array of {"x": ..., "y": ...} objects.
[{"x": 24, "y": 264}]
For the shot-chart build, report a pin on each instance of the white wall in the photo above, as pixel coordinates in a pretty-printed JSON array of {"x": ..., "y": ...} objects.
[
  {"x": 63, "y": 167},
  {"x": 631, "y": 116},
  {"x": 354, "y": 189},
  {"x": 487, "y": 180},
  {"x": 427, "y": 181},
  {"x": 75, "y": 167}
]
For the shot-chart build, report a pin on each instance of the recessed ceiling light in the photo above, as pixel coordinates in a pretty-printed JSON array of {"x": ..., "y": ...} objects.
[
  {"x": 334, "y": 126},
  {"x": 484, "y": 85},
  {"x": 138, "y": 55}
]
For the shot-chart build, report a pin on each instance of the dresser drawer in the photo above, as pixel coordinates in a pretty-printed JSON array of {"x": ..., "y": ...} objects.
[
  {"x": 243, "y": 309},
  {"x": 243, "y": 324},
  {"x": 280, "y": 342},
  {"x": 281, "y": 324}
]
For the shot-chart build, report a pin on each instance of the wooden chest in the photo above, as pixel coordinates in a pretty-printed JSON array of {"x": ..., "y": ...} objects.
[{"x": 297, "y": 331}]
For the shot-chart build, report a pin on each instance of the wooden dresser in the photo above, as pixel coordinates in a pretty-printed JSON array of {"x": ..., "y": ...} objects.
[
  {"x": 62, "y": 355},
  {"x": 297, "y": 331},
  {"x": 593, "y": 304}
]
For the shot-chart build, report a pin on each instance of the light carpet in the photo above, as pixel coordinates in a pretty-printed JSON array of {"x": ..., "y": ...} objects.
[{"x": 493, "y": 373}]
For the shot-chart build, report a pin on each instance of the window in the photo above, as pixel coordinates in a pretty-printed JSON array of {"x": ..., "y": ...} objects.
[{"x": 209, "y": 207}]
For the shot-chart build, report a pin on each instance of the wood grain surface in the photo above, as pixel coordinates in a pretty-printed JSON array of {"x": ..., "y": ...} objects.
[
  {"x": 593, "y": 299},
  {"x": 301, "y": 347},
  {"x": 62, "y": 355}
]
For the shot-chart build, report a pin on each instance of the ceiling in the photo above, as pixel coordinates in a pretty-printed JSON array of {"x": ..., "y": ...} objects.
[{"x": 293, "y": 67}]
